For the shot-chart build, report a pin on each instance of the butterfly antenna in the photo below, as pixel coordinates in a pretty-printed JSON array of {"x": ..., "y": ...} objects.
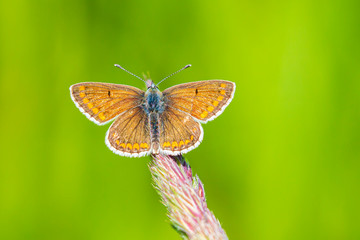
[
  {"x": 187, "y": 66},
  {"x": 117, "y": 65}
]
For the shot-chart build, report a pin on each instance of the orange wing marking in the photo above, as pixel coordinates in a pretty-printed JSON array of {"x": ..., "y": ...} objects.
[
  {"x": 204, "y": 114},
  {"x": 101, "y": 116},
  {"x": 174, "y": 145},
  {"x": 129, "y": 146}
]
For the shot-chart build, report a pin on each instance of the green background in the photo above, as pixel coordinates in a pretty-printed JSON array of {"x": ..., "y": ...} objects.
[{"x": 282, "y": 161}]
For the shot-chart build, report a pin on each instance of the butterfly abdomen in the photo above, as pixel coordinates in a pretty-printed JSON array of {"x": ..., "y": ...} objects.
[{"x": 154, "y": 132}]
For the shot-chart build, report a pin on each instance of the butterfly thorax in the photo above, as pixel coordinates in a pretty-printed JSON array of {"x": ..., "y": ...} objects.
[{"x": 153, "y": 101}]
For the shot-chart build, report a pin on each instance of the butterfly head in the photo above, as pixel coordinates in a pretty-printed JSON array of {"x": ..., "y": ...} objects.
[{"x": 150, "y": 84}]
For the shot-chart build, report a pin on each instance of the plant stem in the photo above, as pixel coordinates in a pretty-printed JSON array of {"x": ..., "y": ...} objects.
[{"x": 184, "y": 197}]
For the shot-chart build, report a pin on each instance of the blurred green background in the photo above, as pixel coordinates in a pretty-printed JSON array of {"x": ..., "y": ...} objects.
[{"x": 282, "y": 161}]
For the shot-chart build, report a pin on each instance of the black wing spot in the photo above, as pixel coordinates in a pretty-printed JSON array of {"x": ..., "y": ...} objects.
[
  {"x": 196, "y": 91},
  {"x": 109, "y": 93}
]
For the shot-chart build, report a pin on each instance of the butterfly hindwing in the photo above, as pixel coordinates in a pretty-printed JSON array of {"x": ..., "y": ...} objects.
[
  {"x": 129, "y": 135},
  {"x": 101, "y": 102},
  {"x": 179, "y": 132},
  {"x": 204, "y": 100}
]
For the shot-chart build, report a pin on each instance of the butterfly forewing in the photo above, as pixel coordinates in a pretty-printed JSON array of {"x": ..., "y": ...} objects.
[
  {"x": 204, "y": 100},
  {"x": 129, "y": 135},
  {"x": 179, "y": 132},
  {"x": 101, "y": 102}
]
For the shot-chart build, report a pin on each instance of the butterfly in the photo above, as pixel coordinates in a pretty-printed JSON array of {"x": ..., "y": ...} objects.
[{"x": 151, "y": 121}]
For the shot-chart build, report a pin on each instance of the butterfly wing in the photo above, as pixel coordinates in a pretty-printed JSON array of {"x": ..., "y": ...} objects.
[
  {"x": 179, "y": 133},
  {"x": 204, "y": 100},
  {"x": 101, "y": 102},
  {"x": 129, "y": 135}
]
